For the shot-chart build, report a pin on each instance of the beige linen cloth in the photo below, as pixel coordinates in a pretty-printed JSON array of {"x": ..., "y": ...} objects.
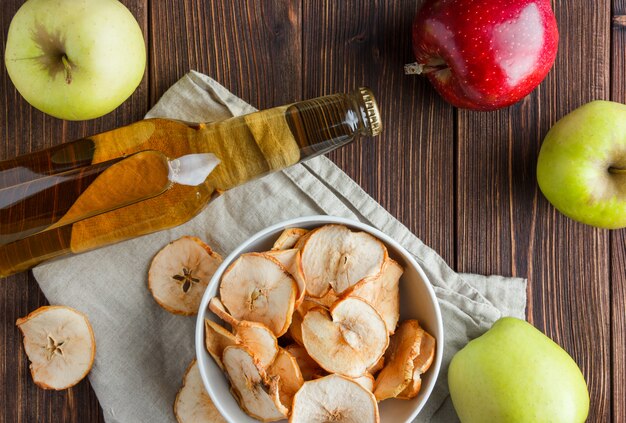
[{"x": 143, "y": 351}]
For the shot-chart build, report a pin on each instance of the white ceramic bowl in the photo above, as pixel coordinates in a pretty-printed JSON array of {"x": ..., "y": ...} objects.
[{"x": 417, "y": 300}]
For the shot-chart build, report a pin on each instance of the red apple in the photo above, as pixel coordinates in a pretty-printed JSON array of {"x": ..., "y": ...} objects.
[{"x": 485, "y": 54}]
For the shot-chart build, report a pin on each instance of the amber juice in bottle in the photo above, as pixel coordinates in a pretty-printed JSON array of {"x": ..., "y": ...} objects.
[{"x": 118, "y": 185}]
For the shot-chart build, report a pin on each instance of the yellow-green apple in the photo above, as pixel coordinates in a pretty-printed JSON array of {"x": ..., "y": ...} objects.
[
  {"x": 484, "y": 54},
  {"x": 582, "y": 165},
  {"x": 514, "y": 373},
  {"x": 75, "y": 59}
]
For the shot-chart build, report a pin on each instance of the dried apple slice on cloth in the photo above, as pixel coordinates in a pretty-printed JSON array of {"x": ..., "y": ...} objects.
[
  {"x": 60, "y": 345},
  {"x": 334, "y": 398},
  {"x": 420, "y": 365},
  {"x": 288, "y": 238},
  {"x": 308, "y": 367},
  {"x": 257, "y": 288},
  {"x": 216, "y": 306},
  {"x": 334, "y": 256},
  {"x": 180, "y": 273},
  {"x": 292, "y": 261},
  {"x": 216, "y": 339},
  {"x": 288, "y": 376},
  {"x": 404, "y": 347},
  {"x": 250, "y": 386},
  {"x": 383, "y": 293},
  {"x": 193, "y": 404},
  {"x": 348, "y": 339}
]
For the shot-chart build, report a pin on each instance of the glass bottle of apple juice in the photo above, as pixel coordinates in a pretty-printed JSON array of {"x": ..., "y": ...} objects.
[{"x": 157, "y": 173}]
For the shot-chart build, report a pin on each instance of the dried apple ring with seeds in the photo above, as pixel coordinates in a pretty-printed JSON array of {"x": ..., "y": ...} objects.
[
  {"x": 257, "y": 288},
  {"x": 180, "y": 273},
  {"x": 60, "y": 345}
]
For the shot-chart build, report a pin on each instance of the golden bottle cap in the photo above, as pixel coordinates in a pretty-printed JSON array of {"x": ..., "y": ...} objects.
[{"x": 372, "y": 111}]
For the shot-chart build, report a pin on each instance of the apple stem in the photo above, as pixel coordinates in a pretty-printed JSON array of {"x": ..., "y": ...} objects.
[
  {"x": 68, "y": 69},
  {"x": 416, "y": 68},
  {"x": 413, "y": 69},
  {"x": 617, "y": 171}
]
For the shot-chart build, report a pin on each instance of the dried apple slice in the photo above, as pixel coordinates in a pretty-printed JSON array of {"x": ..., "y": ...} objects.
[
  {"x": 250, "y": 386},
  {"x": 348, "y": 339},
  {"x": 327, "y": 300},
  {"x": 412, "y": 389},
  {"x": 259, "y": 339},
  {"x": 378, "y": 366},
  {"x": 257, "y": 288},
  {"x": 366, "y": 381},
  {"x": 295, "y": 329},
  {"x": 427, "y": 353},
  {"x": 180, "y": 273},
  {"x": 334, "y": 398},
  {"x": 255, "y": 336},
  {"x": 383, "y": 293},
  {"x": 193, "y": 404},
  {"x": 300, "y": 243},
  {"x": 334, "y": 256},
  {"x": 308, "y": 367},
  {"x": 216, "y": 306},
  {"x": 420, "y": 365},
  {"x": 60, "y": 345},
  {"x": 288, "y": 376},
  {"x": 404, "y": 347},
  {"x": 216, "y": 339},
  {"x": 292, "y": 261},
  {"x": 288, "y": 238}
]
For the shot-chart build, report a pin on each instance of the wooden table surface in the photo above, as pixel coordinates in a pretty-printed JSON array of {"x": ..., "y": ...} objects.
[{"x": 464, "y": 182}]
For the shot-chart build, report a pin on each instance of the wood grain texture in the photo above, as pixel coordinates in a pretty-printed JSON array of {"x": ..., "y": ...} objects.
[
  {"x": 253, "y": 48},
  {"x": 409, "y": 169},
  {"x": 25, "y": 129},
  {"x": 464, "y": 182},
  {"x": 618, "y": 238},
  {"x": 507, "y": 227}
]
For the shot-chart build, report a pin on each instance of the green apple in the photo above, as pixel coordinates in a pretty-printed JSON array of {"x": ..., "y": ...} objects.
[
  {"x": 75, "y": 59},
  {"x": 515, "y": 374},
  {"x": 582, "y": 165}
]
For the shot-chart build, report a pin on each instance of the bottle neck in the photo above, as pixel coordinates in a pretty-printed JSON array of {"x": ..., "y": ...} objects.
[{"x": 324, "y": 124}]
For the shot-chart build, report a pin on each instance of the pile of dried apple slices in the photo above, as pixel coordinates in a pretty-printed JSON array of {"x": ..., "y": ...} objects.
[{"x": 313, "y": 329}]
